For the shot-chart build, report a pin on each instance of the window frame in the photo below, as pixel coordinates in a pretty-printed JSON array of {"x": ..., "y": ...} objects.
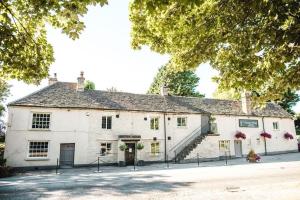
[
  {"x": 40, "y": 129},
  {"x": 226, "y": 144},
  {"x": 156, "y": 148},
  {"x": 277, "y": 124},
  {"x": 107, "y": 150},
  {"x": 155, "y": 124},
  {"x": 38, "y": 158},
  {"x": 180, "y": 124},
  {"x": 106, "y": 122}
]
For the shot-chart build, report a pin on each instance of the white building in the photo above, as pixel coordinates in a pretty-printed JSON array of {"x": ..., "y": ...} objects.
[{"x": 62, "y": 121}]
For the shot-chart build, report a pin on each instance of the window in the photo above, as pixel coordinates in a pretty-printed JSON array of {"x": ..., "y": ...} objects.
[
  {"x": 106, "y": 122},
  {"x": 154, "y": 123},
  {"x": 250, "y": 123},
  {"x": 275, "y": 125},
  {"x": 214, "y": 127},
  {"x": 105, "y": 148},
  {"x": 40, "y": 121},
  {"x": 155, "y": 148},
  {"x": 181, "y": 121},
  {"x": 224, "y": 145},
  {"x": 38, "y": 149}
]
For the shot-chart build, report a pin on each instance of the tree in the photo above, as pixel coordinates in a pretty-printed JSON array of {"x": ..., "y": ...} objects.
[
  {"x": 253, "y": 44},
  {"x": 297, "y": 124},
  {"x": 4, "y": 93},
  {"x": 289, "y": 100},
  {"x": 89, "y": 85},
  {"x": 25, "y": 53},
  {"x": 179, "y": 83}
]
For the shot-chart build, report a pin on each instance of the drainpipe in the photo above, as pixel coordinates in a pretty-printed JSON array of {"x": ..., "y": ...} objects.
[
  {"x": 265, "y": 142},
  {"x": 165, "y": 135}
]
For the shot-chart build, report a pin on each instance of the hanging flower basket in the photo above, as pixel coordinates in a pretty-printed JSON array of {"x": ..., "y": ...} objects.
[
  {"x": 266, "y": 135},
  {"x": 288, "y": 136},
  {"x": 240, "y": 135}
]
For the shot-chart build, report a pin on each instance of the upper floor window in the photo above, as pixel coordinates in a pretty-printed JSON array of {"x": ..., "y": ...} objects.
[
  {"x": 106, "y": 122},
  {"x": 154, "y": 124},
  {"x": 40, "y": 121},
  {"x": 250, "y": 123},
  {"x": 38, "y": 149},
  {"x": 181, "y": 121},
  {"x": 105, "y": 148},
  {"x": 275, "y": 125}
]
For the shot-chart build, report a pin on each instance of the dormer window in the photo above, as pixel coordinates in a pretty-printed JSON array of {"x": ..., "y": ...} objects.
[{"x": 40, "y": 121}]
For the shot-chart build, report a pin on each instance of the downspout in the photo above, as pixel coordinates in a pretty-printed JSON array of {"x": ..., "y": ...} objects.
[
  {"x": 265, "y": 142},
  {"x": 165, "y": 135}
]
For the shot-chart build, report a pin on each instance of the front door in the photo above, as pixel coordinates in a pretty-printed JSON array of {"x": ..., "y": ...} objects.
[
  {"x": 238, "y": 148},
  {"x": 67, "y": 154},
  {"x": 130, "y": 154}
]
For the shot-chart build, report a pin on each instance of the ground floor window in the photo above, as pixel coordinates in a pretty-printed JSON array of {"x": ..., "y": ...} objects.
[
  {"x": 38, "y": 149},
  {"x": 224, "y": 145},
  {"x": 155, "y": 148},
  {"x": 105, "y": 148}
]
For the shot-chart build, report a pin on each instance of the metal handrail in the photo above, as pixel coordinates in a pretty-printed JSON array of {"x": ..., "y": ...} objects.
[{"x": 187, "y": 140}]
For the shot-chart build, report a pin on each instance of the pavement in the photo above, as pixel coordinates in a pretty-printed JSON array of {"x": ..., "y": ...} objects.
[{"x": 275, "y": 177}]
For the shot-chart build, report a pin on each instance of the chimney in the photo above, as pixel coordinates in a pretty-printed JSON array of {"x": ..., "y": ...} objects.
[
  {"x": 246, "y": 102},
  {"x": 164, "y": 90},
  {"x": 80, "y": 83},
  {"x": 52, "y": 80}
]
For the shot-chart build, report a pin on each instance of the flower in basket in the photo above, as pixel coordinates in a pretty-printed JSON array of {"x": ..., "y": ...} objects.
[
  {"x": 241, "y": 135},
  {"x": 288, "y": 136},
  {"x": 252, "y": 156},
  {"x": 266, "y": 135}
]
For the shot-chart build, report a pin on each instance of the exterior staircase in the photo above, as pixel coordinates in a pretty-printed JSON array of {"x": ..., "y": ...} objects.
[{"x": 185, "y": 146}]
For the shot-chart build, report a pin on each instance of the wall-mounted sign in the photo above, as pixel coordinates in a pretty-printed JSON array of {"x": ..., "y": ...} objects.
[{"x": 250, "y": 123}]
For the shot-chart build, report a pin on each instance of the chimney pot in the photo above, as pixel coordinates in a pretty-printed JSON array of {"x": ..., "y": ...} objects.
[
  {"x": 52, "y": 80},
  {"x": 164, "y": 91},
  {"x": 80, "y": 82}
]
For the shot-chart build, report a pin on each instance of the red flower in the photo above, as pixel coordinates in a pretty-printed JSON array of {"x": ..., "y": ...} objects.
[
  {"x": 266, "y": 135},
  {"x": 288, "y": 136},
  {"x": 241, "y": 135}
]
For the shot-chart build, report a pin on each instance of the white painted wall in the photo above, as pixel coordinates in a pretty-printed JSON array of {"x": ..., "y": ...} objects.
[{"x": 83, "y": 127}]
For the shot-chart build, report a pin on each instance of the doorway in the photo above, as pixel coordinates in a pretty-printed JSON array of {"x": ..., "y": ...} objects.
[
  {"x": 238, "y": 148},
  {"x": 130, "y": 154},
  {"x": 67, "y": 155}
]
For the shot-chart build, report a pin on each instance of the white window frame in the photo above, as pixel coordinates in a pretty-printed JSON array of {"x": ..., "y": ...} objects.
[
  {"x": 157, "y": 147},
  {"x": 37, "y": 158},
  {"x": 179, "y": 124},
  {"x": 106, "y": 116},
  {"x": 155, "y": 123},
  {"x": 226, "y": 144},
  {"x": 40, "y": 129},
  {"x": 107, "y": 150},
  {"x": 275, "y": 129}
]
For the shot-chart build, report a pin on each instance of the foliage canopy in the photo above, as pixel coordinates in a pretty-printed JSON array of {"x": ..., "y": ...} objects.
[
  {"x": 182, "y": 83},
  {"x": 253, "y": 44},
  {"x": 25, "y": 53}
]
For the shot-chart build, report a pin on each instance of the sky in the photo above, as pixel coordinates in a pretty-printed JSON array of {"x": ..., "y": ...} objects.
[{"x": 103, "y": 52}]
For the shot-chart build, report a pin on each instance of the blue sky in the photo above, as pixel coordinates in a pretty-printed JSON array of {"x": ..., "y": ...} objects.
[{"x": 103, "y": 52}]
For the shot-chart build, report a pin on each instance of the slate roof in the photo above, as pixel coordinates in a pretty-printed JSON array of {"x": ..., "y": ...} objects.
[{"x": 65, "y": 95}]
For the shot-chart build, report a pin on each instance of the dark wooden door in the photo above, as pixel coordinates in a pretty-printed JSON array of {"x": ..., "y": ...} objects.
[
  {"x": 67, "y": 154},
  {"x": 130, "y": 153}
]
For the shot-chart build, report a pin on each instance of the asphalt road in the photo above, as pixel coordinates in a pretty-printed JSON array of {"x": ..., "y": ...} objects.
[{"x": 274, "y": 180}]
